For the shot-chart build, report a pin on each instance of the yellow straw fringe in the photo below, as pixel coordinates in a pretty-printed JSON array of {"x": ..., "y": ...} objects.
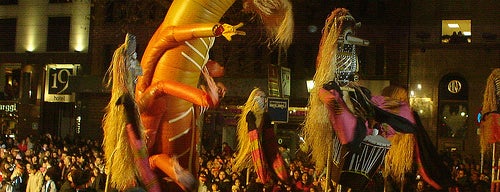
[
  {"x": 318, "y": 131},
  {"x": 489, "y": 105},
  {"x": 118, "y": 153},
  {"x": 243, "y": 158},
  {"x": 399, "y": 158}
]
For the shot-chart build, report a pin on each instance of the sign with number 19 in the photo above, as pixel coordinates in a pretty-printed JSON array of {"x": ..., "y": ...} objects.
[{"x": 57, "y": 82}]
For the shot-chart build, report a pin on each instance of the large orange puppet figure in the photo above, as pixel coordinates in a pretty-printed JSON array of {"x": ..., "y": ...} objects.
[{"x": 173, "y": 61}]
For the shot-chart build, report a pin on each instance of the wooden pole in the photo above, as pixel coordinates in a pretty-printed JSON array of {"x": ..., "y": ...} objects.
[{"x": 328, "y": 166}]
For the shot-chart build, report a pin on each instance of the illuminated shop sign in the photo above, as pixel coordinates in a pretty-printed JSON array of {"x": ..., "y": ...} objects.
[
  {"x": 57, "y": 82},
  {"x": 8, "y": 107}
]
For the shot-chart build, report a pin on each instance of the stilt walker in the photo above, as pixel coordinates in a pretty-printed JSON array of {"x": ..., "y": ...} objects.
[
  {"x": 341, "y": 111},
  {"x": 490, "y": 124}
]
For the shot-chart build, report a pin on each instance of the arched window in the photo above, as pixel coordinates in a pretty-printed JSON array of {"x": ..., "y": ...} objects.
[{"x": 453, "y": 106}]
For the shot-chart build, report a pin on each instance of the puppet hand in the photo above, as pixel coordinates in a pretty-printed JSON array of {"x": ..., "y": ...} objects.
[
  {"x": 222, "y": 89},
  {"x": 230, "y": 30},
  {"x": 250, "y": 118}
]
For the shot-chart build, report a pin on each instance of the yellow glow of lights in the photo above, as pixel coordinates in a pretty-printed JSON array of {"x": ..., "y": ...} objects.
[
  {"x": 467, "y": 33},
  {"x": 31, "y": 35},
  {"x": 453, "y": 25},
  {"x": 310, "y": 85}
]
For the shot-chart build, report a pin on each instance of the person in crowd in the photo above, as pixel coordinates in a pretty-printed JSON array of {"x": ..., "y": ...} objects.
[
  {"x": 49, "y": 185},
  {"x": 65, "y": 166},
  {"x": 295, "y": 177},
  {"x": 478, "y": 185},
  {"x": 35, "y": 178},
  {"x": 81, "y": 180},
  {"x": 67, "y": 185},
  {"x": 304, "y": 184},
  {"x": 98, "y": 180},
  {"x": 237, "y": 186},
  {"x": 255, "y": 185},
  {"x": 223, "y": 181},
  {"x": 30, "y": 145},
  {"x": 203, "y": 185},
  {"x": 226, "y": 149},
  {"x": 18, "y": 178},
  {"x": 215, "y": 188},
  {"x": 462, "y": 180},
  {"x": 22, "y": 146}
]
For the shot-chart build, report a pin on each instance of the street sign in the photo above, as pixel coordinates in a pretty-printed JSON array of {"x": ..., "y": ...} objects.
[{"x": 278, "y": 109}]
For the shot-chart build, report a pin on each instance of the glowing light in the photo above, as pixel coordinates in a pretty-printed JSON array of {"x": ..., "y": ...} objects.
[
  {"x": 412, "y": 93},
  {"x": 453, "y": 25},
  {"x": 467, "y": 33},
  {"x": 462, "y": 114},
  {"x": 310, "y": 85},
  {"x": 419, "y": 86}
]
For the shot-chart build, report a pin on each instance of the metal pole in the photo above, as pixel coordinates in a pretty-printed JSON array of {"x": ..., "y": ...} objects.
[
  {"x": 482, "y": 162},
  {"x": 493, "y": 164},
  {"x": 328, "y": 168}
]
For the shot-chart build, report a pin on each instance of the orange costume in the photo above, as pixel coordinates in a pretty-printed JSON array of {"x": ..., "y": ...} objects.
[{"x": 173, "y": 61}]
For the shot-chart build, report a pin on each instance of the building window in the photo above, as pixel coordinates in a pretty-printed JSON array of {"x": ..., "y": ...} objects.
[
  {"x": 58, "y": 34},
  {"x": 8, "y": 37},
  {"x": 8, "y": 2},
  {"x": 60, "y": 1},
  {"x": 456, "y": 31},
  {"x": 453, "y": 109},
  {"x": 115, "y": 11}
]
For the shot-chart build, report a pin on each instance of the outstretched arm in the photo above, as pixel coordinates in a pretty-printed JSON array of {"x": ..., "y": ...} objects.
[{"x": 168, "y": 37}]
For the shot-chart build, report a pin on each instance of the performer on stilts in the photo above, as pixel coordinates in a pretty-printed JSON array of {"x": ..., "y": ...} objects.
[
  {"x": 257, "y": 142},
  {"x": 124, "y": 148},
  {"x": 342, "y": 115},
  {"x": 490, "y": 124}
]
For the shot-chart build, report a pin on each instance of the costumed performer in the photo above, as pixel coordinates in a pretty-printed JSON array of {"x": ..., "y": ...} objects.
[
  {"x": 124, "y": 149},
  {"x": 341, "y": 114},
  {"x": 257, "y": 142},
  {"x": 407, "y": 149},
  {"x": 168, "y": 92},
  {"x": 490, "y": 123}
]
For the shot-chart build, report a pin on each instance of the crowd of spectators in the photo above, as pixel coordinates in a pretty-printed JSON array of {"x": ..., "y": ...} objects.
[
  {"x": 50, "y": 164},
  {"x": 216, "y": 174}
]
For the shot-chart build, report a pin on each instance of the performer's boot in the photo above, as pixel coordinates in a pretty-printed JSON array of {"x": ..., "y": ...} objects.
[{"x": 171, "y": 167}]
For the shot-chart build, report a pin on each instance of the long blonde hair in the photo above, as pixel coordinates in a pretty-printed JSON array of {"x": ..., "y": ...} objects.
[
  {"x": 118, "y": 153},
  {"x": 243, "y": 158},
  {"x": 318, "y": 132}
]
